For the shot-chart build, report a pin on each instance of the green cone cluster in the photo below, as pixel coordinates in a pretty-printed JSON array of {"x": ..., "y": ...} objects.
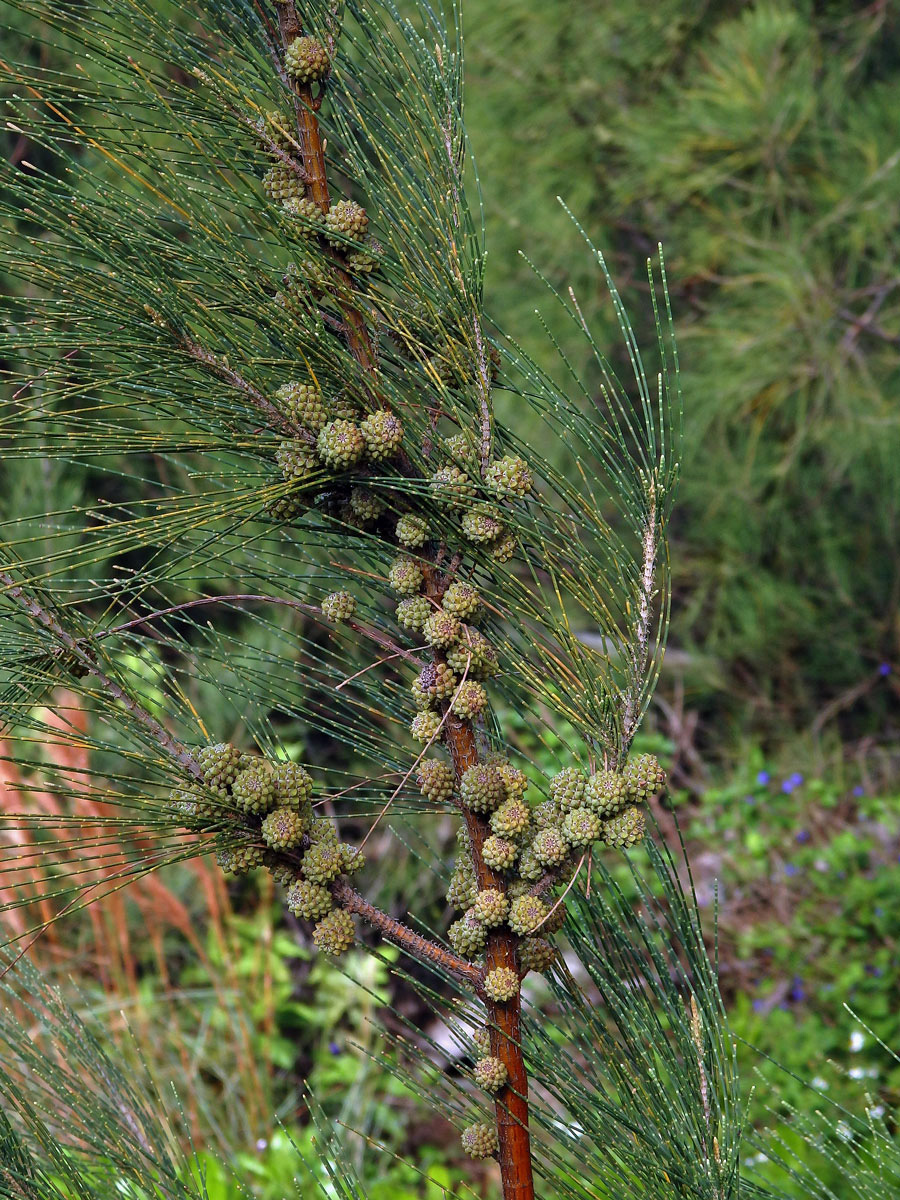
[
  {"x": 529, "y": 843},
  {"x": 261, "y": 814}
]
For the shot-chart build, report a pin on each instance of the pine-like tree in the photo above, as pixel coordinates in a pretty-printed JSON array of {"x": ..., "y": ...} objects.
[{"x": 249, "y": 310}]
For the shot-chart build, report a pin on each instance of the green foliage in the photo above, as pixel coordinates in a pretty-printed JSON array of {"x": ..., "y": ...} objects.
[
  {"x": 758, "y": 142},
  {"x": 808, "y": 930}
]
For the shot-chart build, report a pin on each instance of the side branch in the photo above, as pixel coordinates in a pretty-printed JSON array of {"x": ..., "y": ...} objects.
[
  {"x": 367, "y": 631},
  {"x": 78, "y": 650},
  {"x": 312, "y": 150},
  {"x": 631, "y": 714},
  {"x": 407, "y": 939}
]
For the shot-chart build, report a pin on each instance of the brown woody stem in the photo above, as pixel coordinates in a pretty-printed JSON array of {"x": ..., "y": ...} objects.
[
  {"x": 312, "y": 151},
  {"x": 415, "y": 945},
  {"x": 504, "y": 1020}
]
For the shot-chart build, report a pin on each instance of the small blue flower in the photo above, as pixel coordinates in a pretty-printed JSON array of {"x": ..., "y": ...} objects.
[
  {"x": 334, "y": 1048},
  {"x": 749, "y": 799},
  {"x": 804, "y": 835},
  {"x": 884, "y": 669},
  {"x": 859, "y": 790},
  {"x": 763, "y": 778},
  {"x": 759, "y": 1006},
  {"x": 790, "y": 869},
  {"x": 797, "y": 993}
]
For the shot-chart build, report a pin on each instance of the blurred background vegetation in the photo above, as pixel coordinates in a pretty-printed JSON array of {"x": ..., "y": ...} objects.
[{"x": 759, "y": 142}]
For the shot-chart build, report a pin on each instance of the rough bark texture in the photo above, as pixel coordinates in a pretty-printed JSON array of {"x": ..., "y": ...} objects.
[{"x": 503, "y": 1019}]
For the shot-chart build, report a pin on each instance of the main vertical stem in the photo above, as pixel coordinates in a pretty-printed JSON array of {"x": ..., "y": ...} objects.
[{"x": 504, "y": 1020}]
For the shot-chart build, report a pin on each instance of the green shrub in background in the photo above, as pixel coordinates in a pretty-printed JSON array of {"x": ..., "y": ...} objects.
[{"x": 759, "y": 142}]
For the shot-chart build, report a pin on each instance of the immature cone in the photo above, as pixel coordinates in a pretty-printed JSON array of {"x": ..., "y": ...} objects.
[
  {"x": 581, "y": 827},
  {"x": 491, "y": 906},
  {"x": 625, "y": 829},
  {"x": 467, "y": 935},
  {"x": 340, "y": 444},
  {"x": 526, "y": 913},
  {"x": 480, "y": 1141},
  {"x": 452, "y": 484},
  {"x": 546, "y": 814},
  {"x": 549, "y": 846},
  {"x": 421, "y": 698},
  {"x": 306, "y": 60},
  {"x": 462, "y": 600},
  {"x": 302, "y": 209},
  {"x": 503, "y": 549},
  {"x": 536, "y": 954},
  {"x": 192, "y": 806},
  {"x": 282, "y": 183},
  {"x": 346, "y": 219},
  {"x": 509, "y": 476},
  {"x": 303, "y": 404},
  {"x": 643, "y": 777},
  {"x": 363, "y": 263},
  {"x": 436, "y": 781},
  {"x": 352, "y": 858},
  {"x": 438, "y": 681},
  {"x": 567, "y": 788},
  {"x": 308, "y": 900},
  {"x": 499, "y": 853},
  {"x": 458, "y": 447},
  {"x": 254, "y": 789},
  {"x": 462, "y": 892},
  {"x": 382, "y": 433},
  {"x": 501, "y": 984},
  {"x": 481, "y": 1040},
  {"x": 283, "y": 829},
  {"x": 365, "y": 504},
  {"x": 412, "y": 531},
  {"x": 413, "y": 613},
  {"x": 339, "y": 606},
  {"x": 470, "y": 700},
  {"x": 220, "y": 765},
  {"x": 605, "y": 793},
  {"x": 529, "y": 868},
  {"x": 441, "y": 629},
  {"x": 293, "y": 785},
  {"x": 473, "y": 655},
  {"x": 425, "y": 726},
  {"x": 322, "y": 830},
  {"x": 240, "y": 860},
  {"x": 323, "y": 862},
  {"x": 282, "y": 872},
  {"x": 335, "y": 934},
  {"x": 481, "y": 525},
  {"x": 490, "y": 1074},
  {"x": 405, "y": 576},
  {"x": 516, "y": 781},
  {"x": 512, "y": 818},
  {"x": 296, "y": 460},
  {"x": 280, "y": 128},
  {"x": 481, "y": 788}
]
